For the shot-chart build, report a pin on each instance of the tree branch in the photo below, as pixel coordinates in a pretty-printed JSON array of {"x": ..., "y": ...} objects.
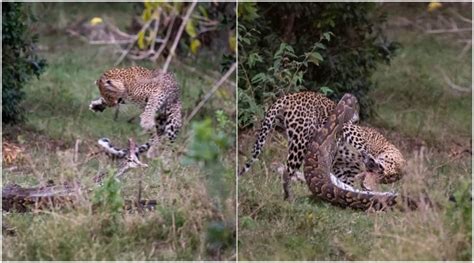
[
  {"x": 178, "y": 36},
  {"x": 210, "y": 93},
  {"x": 450, "y": 83}
]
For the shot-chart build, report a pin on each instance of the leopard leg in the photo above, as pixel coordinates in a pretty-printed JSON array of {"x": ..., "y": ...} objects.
[
  {"x": 286, "y": 185},
  {"x": 294, "y": 161},
  {"x": 155, "y": 137},
  {"x": 173, "y": 121},
  {"x": 155, "y": 104}
]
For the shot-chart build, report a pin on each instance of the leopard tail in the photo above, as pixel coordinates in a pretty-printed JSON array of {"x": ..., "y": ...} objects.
[{"x": 267, "y": 126}]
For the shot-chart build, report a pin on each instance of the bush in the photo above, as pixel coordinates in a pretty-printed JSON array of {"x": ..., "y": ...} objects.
[
  {"x": 19, "y": 60},
  {"x": 328, "y": 47}
]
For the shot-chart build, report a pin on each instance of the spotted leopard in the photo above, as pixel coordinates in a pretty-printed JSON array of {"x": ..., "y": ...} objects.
[
  {"x": 321, "y": 150},
  {"x": 155, "y": 92},
  {"x": 360, "y": 149}
]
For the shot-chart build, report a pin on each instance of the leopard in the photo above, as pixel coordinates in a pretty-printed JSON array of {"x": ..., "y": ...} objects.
[
  {"x": 319, "y": 160},
  {"x": 155, "y": 92},
  {"x": 363, "y": 148},
  {"x": 361, "y": 151}
]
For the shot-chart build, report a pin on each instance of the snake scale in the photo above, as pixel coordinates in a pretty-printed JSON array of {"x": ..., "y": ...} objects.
[{"x": 319, "y": 159}]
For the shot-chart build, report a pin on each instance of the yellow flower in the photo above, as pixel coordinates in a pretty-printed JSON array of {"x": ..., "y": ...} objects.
[
  {"x": 96, "y": 20},
  {"x": 433, "y": 5}
]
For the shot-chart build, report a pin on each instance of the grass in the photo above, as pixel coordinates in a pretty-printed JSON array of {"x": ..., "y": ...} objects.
[
  {"x": 191, "y": 222},
  {"x": 418, "y": 113}
]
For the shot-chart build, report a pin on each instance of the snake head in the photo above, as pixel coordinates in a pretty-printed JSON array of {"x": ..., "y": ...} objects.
[{"x": 348, "y": 107}]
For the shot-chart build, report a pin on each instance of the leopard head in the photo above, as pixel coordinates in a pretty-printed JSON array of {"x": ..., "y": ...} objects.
[
  {"x": 393, "y": 162},
  {"x": 111, "y": 90},
  {"x": 114, "y": 82}
]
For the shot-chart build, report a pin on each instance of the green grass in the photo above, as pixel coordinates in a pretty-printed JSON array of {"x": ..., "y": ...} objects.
[
  {"x": 190, "y": 222},
  {"x": 413, "y": 97},
  {"x": 418, "y": 113}
]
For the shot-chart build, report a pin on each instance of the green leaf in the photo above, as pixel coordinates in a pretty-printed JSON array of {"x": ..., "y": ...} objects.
[
  {"x": 253, "y": 59},
  {"x": 233, "y": 43},
  {"x": 191, "y": 28},
  {"x": 195, "y": 44},
  {"x": 327, "y": 36},
  {"x": 320, "y": 46},
  {"x": 141, "y": 40},
  {"x": 326, "y": 90},
  {"x": 146, "y": 14},
  {"x": 290, "y": 49},
  {"x": 315, "y": 58},
  {"x": 280, "y": 50},
  {"x": 258, "y": 78},
  {"x": 203, "y": 11}
]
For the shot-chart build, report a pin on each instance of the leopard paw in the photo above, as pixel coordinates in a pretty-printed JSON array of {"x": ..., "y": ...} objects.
[{"x": 147, "y": 124}]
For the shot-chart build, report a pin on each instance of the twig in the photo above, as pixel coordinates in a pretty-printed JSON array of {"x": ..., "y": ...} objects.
[
  {"x": 131, "y": 161},
  {"x": 125, "y": 52},
  {"x": 115, "y": 29},
  {"x": 467, "y": 20},
  {"x": 76, "y": 34},
  {"x": 156, "y": 29},
  {"x": 450, "y": 83},
  {"x": 108, "y": 42},
  {"x": 116, "y": 114},
  {"x": 465, "y": 49},
  {"x": 139, "y": 205},
  {"x": 76, "y": 150},
  {"x": 440, "y": 31},
  {"x": 151, "y": 50},
  {"x": 209, "y": 77},
  {"x": 210, "y": 93},
  {"x": 165, "y": 41},
  {"x": 178, "y": 36}
]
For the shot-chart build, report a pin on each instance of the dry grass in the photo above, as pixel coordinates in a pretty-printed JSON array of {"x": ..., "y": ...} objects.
[
  {"x": 270, "y": 228},
  {"x": 178, "y": 229}
]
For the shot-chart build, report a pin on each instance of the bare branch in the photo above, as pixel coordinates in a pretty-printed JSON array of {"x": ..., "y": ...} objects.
[
  {"x": 450, "y": 83},
  {"x": 440, "y": 31},
  {"x": 212, "y": 77},
  {"x": 155, "y": 31},
  {"x": 165, "y": 42},
  {"x": 462, "y": 18},
  {"x": 465, "y": 49},
  {"x": 178, "y": 36},
  {"x": 211, "y": 92},
  {"x": 125, "y": 52}
]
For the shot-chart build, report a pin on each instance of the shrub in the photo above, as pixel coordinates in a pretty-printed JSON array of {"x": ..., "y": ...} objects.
[
  {"x": 19, "y": 59},
  {"x": 328, "y": 47}
]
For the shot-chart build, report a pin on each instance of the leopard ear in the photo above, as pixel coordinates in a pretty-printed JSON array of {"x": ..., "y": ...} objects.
[{"x": 114, "y": 86}]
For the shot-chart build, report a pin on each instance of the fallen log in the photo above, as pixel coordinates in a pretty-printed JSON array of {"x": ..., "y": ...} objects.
[{"x": 50, "y": 197}]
